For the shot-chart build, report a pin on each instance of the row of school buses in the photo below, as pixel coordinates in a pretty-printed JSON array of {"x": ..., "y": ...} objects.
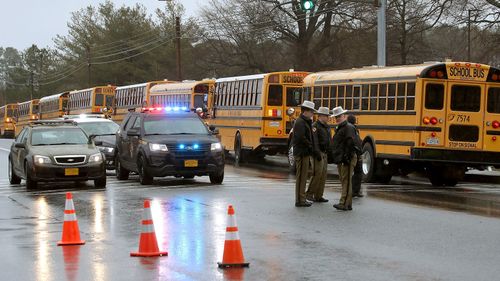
[{"x": 440, "y": 117}]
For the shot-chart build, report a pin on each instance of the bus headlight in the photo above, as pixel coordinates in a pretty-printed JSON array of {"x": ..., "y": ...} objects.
[
  {"x": 290, "y": 111},
  {"x": 95, "y": 158},
  {"x": 216, "y": 146},
  {"x": 158, "y": 147},
  {"x": 40, "y": 160}
]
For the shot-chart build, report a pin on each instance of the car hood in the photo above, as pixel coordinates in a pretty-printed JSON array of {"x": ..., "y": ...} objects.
[
  {"x": 56, "y": 150},
  {"x": 107, "y": 140},
  {"x": 173, "y": 139}
]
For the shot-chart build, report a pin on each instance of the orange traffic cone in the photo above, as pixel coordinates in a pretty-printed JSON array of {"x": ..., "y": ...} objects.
[
  {"x": 71, "y": 232},
  {"x": 148, "y": 246},
  {"x": 233, "y": 254}
]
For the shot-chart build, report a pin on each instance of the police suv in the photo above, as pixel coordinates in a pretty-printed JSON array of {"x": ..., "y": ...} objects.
[{"x": 168, "y": 141}]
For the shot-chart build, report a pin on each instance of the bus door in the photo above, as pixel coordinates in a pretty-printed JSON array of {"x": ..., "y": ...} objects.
[
  {"x": 275, "y": 111},
  {"x": 294, "y": 99},
  {"x": 491, "y": 135},
  {"x": 433, "y": 114},
  {"x": 465, "y": 115}
]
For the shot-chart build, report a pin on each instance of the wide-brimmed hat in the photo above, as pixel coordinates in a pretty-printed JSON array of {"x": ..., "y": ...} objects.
[
  {"x": 323, "y": 111},
  {"x": 338, "y": 111},
  {"x": 308, "y": 104}
]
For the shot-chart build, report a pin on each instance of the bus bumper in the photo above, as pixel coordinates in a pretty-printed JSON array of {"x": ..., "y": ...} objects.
[
  {"x": 274, "y": 144},
  {"x": 472, "y": 158}
]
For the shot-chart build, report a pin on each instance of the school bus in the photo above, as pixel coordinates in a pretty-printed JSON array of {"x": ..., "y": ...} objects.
[
  {"x": 132, "y": 97},
  {"x": 8, "y": 115},
  {"x": 54, "y": 106},
  {"x": 255, "y": 113},
  {"x": 28, "y": 111},
  {"x": 93, "y": 100},
  {"x": 441, "y": 118},
  {"x": 187, "y": 94}
]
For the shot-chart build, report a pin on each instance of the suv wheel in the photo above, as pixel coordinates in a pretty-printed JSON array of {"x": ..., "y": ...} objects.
[
  {"x": 121, "y": 173},
  {"x": 101, "y": 182},
  {"x": 13, "y": 179},
  {"x": 144, "y": 177},
  {"x": 30, "y": 183},
  {"x": 217, "y": 177}
]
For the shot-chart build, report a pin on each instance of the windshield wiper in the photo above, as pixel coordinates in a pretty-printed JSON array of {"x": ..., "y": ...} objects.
[
  {"x": 63, "y": 143},
  {"x": 155, "y": 134}
]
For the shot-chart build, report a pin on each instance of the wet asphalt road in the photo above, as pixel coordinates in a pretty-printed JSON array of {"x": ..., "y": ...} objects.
[{"x": 406, "y": 230}]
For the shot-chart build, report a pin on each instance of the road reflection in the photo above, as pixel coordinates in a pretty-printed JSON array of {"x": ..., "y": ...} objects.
[
  {"x": 44, "y": 250},
  {"x": 71, "y": 255}
]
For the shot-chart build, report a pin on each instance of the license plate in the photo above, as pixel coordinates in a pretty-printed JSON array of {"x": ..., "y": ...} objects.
[
  {"x": 71, "y": 172},
  {"x": 190, "y": 163},
  {"x": 433, "y": 141}
]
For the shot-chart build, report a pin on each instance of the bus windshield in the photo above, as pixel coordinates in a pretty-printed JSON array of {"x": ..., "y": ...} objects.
[
  {"x": 35, "y": 109},
  {"x": 293, "y": 96}
]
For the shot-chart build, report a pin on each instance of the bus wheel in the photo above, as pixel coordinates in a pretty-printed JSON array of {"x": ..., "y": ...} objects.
[
  {"x": 238, "y": 153},
  {"x": 368, "y": 166},
  {"x": 291, "y": 159}
]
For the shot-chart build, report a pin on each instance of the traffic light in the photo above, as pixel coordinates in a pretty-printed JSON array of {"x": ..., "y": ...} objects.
[{"x": 307, "y": 5}]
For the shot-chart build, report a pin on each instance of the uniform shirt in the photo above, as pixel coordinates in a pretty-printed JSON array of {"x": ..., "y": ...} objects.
[
  {"x": 323, "y": 136},
  {"x": 302, "y": 139},
  {"x": 344, "y": 142}
]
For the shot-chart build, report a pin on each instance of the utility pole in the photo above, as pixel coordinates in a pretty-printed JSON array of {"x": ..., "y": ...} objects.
[
  {"x": 87, "y": 48},
  {"x": 178, "y": 46},
  {"x": 381, "y": 32}
]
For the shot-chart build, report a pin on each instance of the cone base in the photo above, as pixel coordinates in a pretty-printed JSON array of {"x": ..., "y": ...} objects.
[
  {"x": 227, "y": 265},
  {"x": 69, "y": 243},
  {"x": 149, "y": 254}
]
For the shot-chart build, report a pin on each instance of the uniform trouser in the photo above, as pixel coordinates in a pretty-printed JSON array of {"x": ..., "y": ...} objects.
[
  {"x": 302, "y": 166},
  {"x": 317, "y": 184},
  {"x": 357, "y": 177},
  {"x": 345, "y": 175}
]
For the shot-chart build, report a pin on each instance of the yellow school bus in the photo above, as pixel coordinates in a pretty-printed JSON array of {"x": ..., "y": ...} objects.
[
  {"x": 93, "y": 100},
  {"x": 8, "y": 115},
  {"x": 132, "y": 97},
  {"x": 441, "y": 118},
  {"x": 54, "y": 106},
  {"x": 255, "y": 113},
  {"x": 187, "y": 94},
  {"x": 28, "y": 111}
]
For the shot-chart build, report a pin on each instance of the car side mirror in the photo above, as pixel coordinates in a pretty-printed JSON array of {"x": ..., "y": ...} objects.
[
  {"x": 133, "y": 133},
  {"x": 98, "y": 143},
  {"x": 20, "y": 145},
  {"x": 211, "y": 128},
  {"x": 215, "y": 131}
]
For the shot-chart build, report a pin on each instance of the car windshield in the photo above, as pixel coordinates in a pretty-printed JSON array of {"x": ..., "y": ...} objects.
[
  {"x": 55, "y": 136},
  {"x": 99, "y": 128},
  {"x": 158, "y": 125}
]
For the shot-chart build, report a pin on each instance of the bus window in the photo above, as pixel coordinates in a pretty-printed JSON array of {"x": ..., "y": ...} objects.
[
  {"x": 365, "y": 97},
  {"x": 466, "y": 98},
  {"x": 35, "y": 109},
  {"x": 391, "y": 100},
  {"x": 348, "y": 97},
  {"x": 275, "y": 95},
  {"x": 326, "y": 97},
  {"x": 400, "y": 103},
  {"x": 99, "y": 100},
  {"x": 464, "y": 133},
  {"x": 293, "y": 96},
  {"x": 307, "y": 93},
  {"x": 410, "y": 96},
  {"x": 356, "y": 93},
  {"x": 333, "y": 96},
  {"x": 109, "y": 100},
  {"x": 259, "y": 92},
  {"x": 199, "y": 101},
  {"x": 382, "y": 97},
  {"x": 434, "y": 96},
  {"x": 340, "y": 98},
  {"x": 373, "y": 96},
  {"x": 494, "y": 100},
  {"x": 11, "y": 112},
  {"x": 317, "y": 97}
]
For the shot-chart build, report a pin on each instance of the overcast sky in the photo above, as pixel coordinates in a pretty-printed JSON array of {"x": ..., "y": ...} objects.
[{"x": 26, "y": 22}]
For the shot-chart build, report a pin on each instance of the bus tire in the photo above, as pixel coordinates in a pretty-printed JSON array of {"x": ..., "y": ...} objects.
[
  {"x": 238, "y": 151},
  {"x": 369, "y": 161},
  {"x": 291, "y": 159}
]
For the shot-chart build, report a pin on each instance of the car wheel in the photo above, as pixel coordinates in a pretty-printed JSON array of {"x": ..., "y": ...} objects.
[
  {"x": 100, "y": 182},
  {"x": 13, "y": 178},
  {"x": 217, "y": 178},
  {"x": 144, "y": 177},
  {"x": 121, "y": 173},
  {"x": 30, "y": 183}
]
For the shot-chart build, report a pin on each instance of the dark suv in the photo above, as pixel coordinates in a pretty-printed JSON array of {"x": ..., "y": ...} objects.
[
  {"x": 166, "y": 142},
  {"x": 55, "y": 151}
]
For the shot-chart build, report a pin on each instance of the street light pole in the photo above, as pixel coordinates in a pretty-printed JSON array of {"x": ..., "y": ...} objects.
[{"x": 381, "y": 33}]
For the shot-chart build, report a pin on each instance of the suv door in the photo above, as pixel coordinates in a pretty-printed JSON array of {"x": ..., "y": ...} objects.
[
  {"x": 133, "y": 144},
  {"x": 16, "y": 152},
  {"x": 123, "y": 143}
]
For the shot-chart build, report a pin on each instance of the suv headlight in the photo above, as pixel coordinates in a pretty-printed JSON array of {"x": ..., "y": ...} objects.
[
  {"x": 158, "y": 147},
  {"x": 39, "y": 159},
  {"x": 106, "y": 149},
  {"x": 95, "y": 158},
  {"x": 216, "y": 146}
]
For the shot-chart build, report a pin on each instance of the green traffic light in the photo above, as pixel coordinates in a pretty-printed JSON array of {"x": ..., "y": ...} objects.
[{"x": 307, "y": 5}]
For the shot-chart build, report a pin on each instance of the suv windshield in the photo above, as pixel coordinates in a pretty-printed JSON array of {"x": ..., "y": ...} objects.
[
  {"x": 99, "y": 128},
  {"x": 54, "y": 136},
  {"x": 173, "y": 126}
]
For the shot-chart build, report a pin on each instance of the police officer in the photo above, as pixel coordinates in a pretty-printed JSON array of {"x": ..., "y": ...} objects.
[
  {"x": 302, "y": 142},
  {"x": 344, "y": 155},
  {"x": 357, "y": 177},
  {"x": 322, "y": 137}
]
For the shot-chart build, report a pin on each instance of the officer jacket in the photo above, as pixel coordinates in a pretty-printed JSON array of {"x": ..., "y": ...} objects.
[
  {"x": 344, "y": 143},
  {"x": 323, "y": 136},
  {"x": 302, "y": 139}
]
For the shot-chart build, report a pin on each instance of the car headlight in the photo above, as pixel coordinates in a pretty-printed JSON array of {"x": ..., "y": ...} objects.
[
  {"x": 158, "y": 147},
  {"x": 95, "y": 158},
  {"x": 39, "y": 159},
  {"x": 216, "y": 146},
  {"x": 106, "y": 149}
]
